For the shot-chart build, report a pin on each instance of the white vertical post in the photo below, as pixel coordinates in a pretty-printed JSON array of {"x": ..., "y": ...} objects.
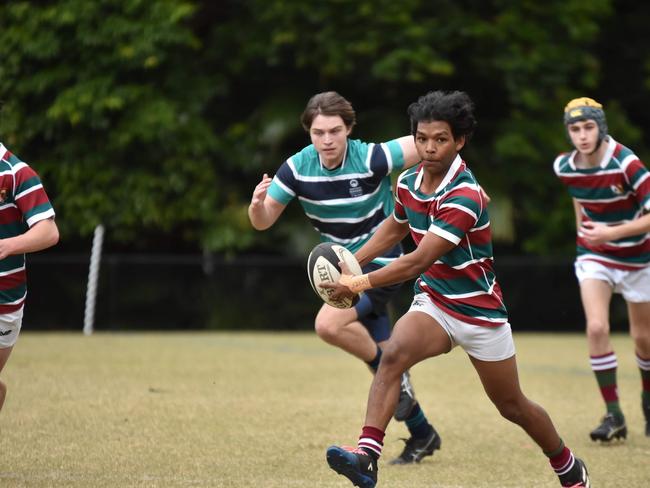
[{"x": 93, "y": 276}]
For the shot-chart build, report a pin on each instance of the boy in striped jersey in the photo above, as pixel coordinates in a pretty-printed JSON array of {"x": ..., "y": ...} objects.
[
  {"x": 27, "y": 225},
  {"x": 345, "y": 190},
  {"x": 611, "y": 196},
  {"x": 457, "y": 298}
]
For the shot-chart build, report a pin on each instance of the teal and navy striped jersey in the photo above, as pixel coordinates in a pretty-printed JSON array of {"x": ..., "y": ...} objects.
[
  {"x": 614, "y": 192},
  {"x": 23, "y": 202},
  {"x": 345, "y": 205},
  {"x": 462, "y": 282}
]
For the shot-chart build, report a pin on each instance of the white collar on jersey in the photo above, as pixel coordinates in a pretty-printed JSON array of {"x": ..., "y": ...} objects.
[
  {"x": 345, "y": 158},
  {"x": 450, "y": 173},
  {"x": 3, "y": 150},
  {"x": 611, "y": 146}
]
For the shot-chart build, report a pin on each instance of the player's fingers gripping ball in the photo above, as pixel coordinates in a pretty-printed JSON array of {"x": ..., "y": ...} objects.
[{"x": 324, "y": 268}]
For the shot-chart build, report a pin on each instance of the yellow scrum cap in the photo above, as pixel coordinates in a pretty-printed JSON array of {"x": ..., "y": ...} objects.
[
  {"x": 575, "y": 107},
  {"x": 584, "y": 108}
]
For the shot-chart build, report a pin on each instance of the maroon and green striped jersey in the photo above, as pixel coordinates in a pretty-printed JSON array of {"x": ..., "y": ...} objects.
[
  {"x": 23, "y": 202},
  {"x": 462, "y": 282},
  {"x": 614, "y": 192}
]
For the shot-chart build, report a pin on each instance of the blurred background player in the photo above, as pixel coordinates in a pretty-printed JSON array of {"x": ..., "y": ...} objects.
[
  {"x": 27, "y": 219},
  {"x": 345, "y": 190},
  {"x": 457, "y": 298},
  {"x": 611, "y": 196}
]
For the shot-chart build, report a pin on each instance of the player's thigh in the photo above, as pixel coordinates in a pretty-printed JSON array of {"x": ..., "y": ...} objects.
[
  {"x": 10, "y": 325},
  {"x": 639, "y": 315},
  {"x": 419, "y": 336},
  {"x": 596, "y": 296},
  {"x": 335, "y": 317},
  {"x": 4, "y": 356},
  {"x": 500, "y": 379}
]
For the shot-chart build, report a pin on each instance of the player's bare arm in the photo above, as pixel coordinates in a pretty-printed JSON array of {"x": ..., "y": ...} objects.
[
  {"x": 389, "y": 233},
  {"x": 598, "y": 233},
  {"x": 41, "y": 235},
  {"x": 411, "y": 265},
  {"x": 411, "y": 156},
  {"x": 577, "y": 208},
  {"x": 263, "y": 210},
  {"x": 404, "y": 268}
]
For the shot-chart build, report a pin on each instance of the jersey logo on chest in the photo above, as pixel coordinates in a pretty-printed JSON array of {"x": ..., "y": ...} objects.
[
  {"x": 617, "y": 189},
  {"x": 355, "y": 189}
]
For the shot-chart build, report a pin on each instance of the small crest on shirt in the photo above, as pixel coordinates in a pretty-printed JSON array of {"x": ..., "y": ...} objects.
[
  {"x": 355, "y": 189},
  {"x": 3, "y": 194},
  {"x": 617, "y": 189}
]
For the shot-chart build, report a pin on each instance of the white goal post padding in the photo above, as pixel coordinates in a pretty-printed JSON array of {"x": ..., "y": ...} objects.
[{"x": 93, "y": 276}]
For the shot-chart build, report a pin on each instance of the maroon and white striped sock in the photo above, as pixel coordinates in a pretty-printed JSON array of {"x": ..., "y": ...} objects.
[
  {"x": 562, "y": 460},
  {"x": 371, "y": 440}
]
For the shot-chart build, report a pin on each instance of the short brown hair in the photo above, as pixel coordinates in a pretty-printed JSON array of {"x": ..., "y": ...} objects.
[{"x": 328, "y": 103}]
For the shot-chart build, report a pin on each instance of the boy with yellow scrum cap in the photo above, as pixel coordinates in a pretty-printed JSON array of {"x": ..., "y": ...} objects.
[{"x": 610, "y": 188}]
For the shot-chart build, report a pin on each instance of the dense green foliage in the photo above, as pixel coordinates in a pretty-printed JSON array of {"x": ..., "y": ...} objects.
[{"x": 158, "y": 118}]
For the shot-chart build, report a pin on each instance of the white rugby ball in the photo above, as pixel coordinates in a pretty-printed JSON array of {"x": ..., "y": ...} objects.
[{"x": 323, "y": 267}]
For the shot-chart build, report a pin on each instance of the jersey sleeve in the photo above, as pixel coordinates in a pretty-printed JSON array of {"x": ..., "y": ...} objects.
[
  {"x": 399, "y": 213},
  {"x": 558, "y": 164},
  {"x": 394, "y": 148},
  {"x": 639, "y": 177},
  {"x": 386, "y": 158},
  {"x": 283, "y": 186},
  {"x": 456, "y": 213},
  {"x": 29, "y": 195}
]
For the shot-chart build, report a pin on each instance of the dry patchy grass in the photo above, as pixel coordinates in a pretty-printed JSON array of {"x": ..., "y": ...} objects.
[{"x": 242, "y": 410}]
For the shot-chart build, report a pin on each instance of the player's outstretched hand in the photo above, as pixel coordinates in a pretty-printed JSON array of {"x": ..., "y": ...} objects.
[{"x": 259, "y": 194}]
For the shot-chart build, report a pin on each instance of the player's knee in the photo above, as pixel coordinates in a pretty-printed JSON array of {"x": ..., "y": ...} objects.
[
  {"x": 597, "y": 329},
  {"x": 512, "y": 410},
  {"x": 394, "y": 358},
  {"x": 641, "y": 337},
  {"x": 326, "y": 330}
]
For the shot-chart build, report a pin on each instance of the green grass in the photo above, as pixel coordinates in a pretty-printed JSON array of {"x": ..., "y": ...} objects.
[{"x": 258, "y": 410}]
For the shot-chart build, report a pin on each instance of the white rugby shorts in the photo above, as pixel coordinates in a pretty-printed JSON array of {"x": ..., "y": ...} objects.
[
  {"x": 483, "y": 343},
  {"x": 633, "y": 285},
  {"x": 10, "y": 324}
]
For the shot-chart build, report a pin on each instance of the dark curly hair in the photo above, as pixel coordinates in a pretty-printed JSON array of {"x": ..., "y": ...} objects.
[{"x": 455, "y": 108}]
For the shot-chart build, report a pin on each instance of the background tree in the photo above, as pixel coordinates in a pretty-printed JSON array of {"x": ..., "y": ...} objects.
[{"x": 158, "y": 118}]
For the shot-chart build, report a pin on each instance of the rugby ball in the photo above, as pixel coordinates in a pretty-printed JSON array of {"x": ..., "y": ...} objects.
[{"x": 323, "y": 267}]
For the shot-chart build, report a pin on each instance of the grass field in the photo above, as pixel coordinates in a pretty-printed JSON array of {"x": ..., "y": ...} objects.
[{"x": 258, "y": 410}]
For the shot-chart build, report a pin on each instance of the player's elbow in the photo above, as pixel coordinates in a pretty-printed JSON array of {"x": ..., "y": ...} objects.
[
  {"x": 258, "y": 221},
  {"x": 49, "y": 233},
  {"x": 54, "y": 236},
  {"x": 413, "y": 270},
  {"x": 420, "y": 268},
  {"x": 260, "y": 225},
  {"x": 418, "y": 263}
]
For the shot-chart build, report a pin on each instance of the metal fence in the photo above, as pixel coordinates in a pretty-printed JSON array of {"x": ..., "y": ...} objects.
[{"x": 193, "y": 292}]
